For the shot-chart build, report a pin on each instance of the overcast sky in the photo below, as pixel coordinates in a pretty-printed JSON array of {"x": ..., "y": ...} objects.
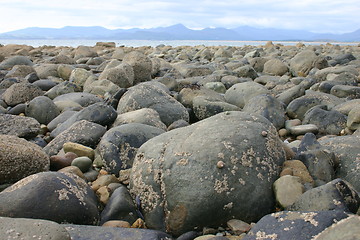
[{"x": 335, "y": 16}]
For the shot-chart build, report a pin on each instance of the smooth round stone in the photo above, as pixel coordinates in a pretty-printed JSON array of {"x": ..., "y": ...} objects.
[
  {"x": 287, "y": 190},
  {"x": 83, "y": 163},
  {"x": 91, "y": 175},
  {"x": 18, "y": 109},
  {"x": 79, "y": 149},
  {"x": 58, "y": 162},
  {"x": 117, "y": 223},
  {"x": 303, "y": 129}
]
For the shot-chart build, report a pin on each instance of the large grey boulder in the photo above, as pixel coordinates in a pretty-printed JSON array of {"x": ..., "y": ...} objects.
[
  {"x": 43, "y": 109},
  {"x": 141, "y": 65},
  {"x": 335, "y": 195},
  {"x": 99, "y": 113},
  {"x": 304, "y": 61},
  {"x": 328, "y": 122},
  {"x": 217, "y": 169},
  {"x": 151, "y": 96},
  {"x": 55, "y": 196},
  {"x": 15, "y": 60},
  {"x": 275, "y": 67},
  {"x": 205, "y": 107},
  {"x": 21, "y": 93},
  {"x": 46, "y": 70},
  {"x": 268, "y": 107},
  {"x": 119, "y": 145},
  {"x": 294, "y": 225},
  {"x": 240, "y": 93},
  {"x": 347, "y": 151},
  {"x": 20, "y": 158},
  {"x": 25, "y": 228},
  {"x": 79, "y": 76},
  {"x": 344, "y": 229},
  {"x": 24, "y": 127},
  {"x": 122, "y": 75}
]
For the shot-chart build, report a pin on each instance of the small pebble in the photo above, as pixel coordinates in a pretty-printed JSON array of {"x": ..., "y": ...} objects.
[
  {"x": 220, "y": 164},
  {"x": 117, "y": 223}
]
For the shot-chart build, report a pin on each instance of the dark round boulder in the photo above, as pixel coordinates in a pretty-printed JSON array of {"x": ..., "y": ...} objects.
[
  {"x": 217, "y": 169},
  {"x": 55, "y": 196},
  {"x": 43, "y": 109}
]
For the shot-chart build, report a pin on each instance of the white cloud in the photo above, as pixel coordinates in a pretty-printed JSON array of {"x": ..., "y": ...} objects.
[{"x": 314, "y": 15}]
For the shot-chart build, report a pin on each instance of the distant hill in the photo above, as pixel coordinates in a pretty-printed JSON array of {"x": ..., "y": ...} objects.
[{"x": 177, "y": 32}]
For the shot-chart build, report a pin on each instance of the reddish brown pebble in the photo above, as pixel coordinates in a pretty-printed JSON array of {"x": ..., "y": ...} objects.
[{"x": 58, "y": 162}]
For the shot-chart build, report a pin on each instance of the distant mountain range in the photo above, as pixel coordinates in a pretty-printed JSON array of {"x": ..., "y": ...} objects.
[{"x": 178, "y": 32}]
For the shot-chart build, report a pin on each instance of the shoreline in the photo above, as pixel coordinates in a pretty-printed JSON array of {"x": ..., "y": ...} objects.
[{"x": 154, "y": 43}]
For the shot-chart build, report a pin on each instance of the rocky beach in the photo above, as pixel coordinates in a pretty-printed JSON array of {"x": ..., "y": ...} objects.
[{"x": 190, "y": 142}]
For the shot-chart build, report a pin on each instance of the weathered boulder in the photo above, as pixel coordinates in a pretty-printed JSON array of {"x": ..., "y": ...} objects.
[
  {"x": 15, "y": 60},
  {"x": 240, "y": 93},
  {"x": 25, "y": 228},
  {"x": 344, "y": 229},
  {"x": 21, "y": 93},
  {"x": 20, "y": 158},
  {"x": 24, "y": 127},
  {"x": 275, "y": 67},
  {"x": 119, "y": 145},
  {"x": 152, "y": 96},
  {"x": 99, "y": 113},
  {"x": 20, "y": 71},
  {"x": 328, "y": 122},
  {"x": 84, "y": 52},
  {"x": 268, "y": 107},
  {"x": 304, "y": 61},
  {"x": 346, "y": 150},
  {"x": 79, "y": 76},
  {"x": 46, "y": 70},
  {"x": 206, "y": 106},
  {"x": 55, "y": 196},
  {"x": 122, "y": 75},
  {"x": 320, "y": 162},
  {"x": 179, "y": 181},
  {"x": 335, "y": 195},
  {"x": 140, "y": 64},
  {"x": 294, "y": 225}
]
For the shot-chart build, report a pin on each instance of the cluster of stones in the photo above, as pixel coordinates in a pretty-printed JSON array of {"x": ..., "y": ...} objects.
[{"x": 253, "y": 142}]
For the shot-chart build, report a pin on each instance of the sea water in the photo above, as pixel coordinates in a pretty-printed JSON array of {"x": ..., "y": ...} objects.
[{"x": 152, "y": 43}]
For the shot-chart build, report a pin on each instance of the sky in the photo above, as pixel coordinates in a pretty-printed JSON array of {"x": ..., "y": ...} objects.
[{"x": 321, "y": 16}]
